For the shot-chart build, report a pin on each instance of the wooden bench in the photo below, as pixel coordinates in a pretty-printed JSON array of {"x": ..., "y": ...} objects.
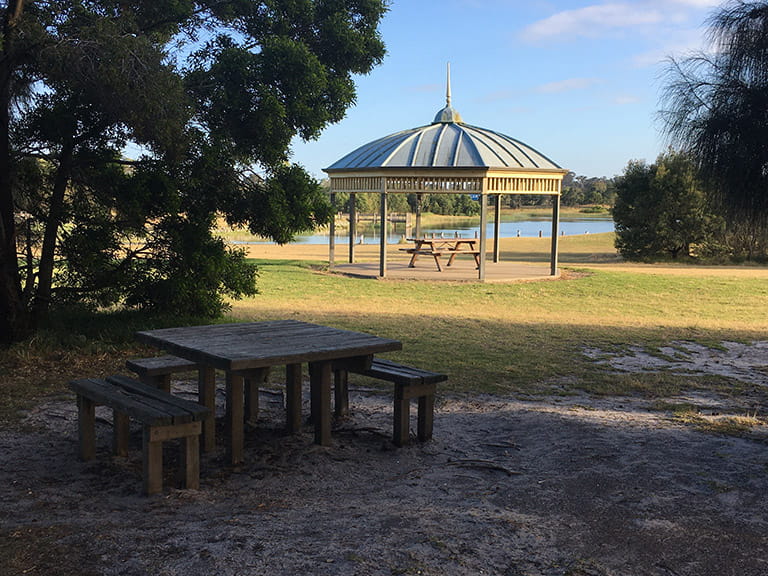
[
  {"x": 157, "y": 371},
  {"x": 164, "y": 417},
  {"x": 409, "y": 383}
]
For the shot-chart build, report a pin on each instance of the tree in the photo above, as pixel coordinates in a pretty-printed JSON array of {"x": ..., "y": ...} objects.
[
  {"x": 715, "y": 109},
  {"x": 209, "y": 91},
  {"x": 661, "y": 210}
]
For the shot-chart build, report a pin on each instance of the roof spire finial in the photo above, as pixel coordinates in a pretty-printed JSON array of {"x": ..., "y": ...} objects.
[
  {"x": 447, "y": 115},
  {"x": 448, "y": 86}
]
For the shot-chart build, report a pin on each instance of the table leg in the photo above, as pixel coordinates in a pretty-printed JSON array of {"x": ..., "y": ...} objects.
[
  {"x": 234, "y": 417},
  {"x": 206, "y": 395},
  {"x": 252, "y": 383},
  {"x": 437, "y": 261},
  {"x": 416, "y": 247},
  {"x": 320, "y": 389},
  {"x": 341, "y": 393},
  {"x": 293, "y": 398}
]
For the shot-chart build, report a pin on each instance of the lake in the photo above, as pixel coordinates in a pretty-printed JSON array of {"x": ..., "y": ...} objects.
[{"x": 522, "y": 228}]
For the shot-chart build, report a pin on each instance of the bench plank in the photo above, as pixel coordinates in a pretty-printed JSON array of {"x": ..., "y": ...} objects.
[
  {"x": 160, "y": 365},
  {"x": 398, "y": 373},
  {"x": 185, "y": 409},
  {"x": 102, "y": 392}
]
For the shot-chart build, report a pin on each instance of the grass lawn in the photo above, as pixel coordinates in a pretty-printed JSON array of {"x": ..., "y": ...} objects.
[{"x": 524, "y": 338}]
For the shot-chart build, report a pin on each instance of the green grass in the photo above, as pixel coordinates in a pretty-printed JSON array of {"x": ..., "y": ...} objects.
[
  {"x": 519, "y": 339},
  {"x": 524, "y": 338}
]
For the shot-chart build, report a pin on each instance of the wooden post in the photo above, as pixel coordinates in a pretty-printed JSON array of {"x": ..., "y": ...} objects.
[
  {"x": 555, "y": 233},
  {"x": 426, "y": 417},
  {"x": 122, "y": 428},
  {"x": 352, "y": 227},
  {"x": 152, "y": 461},
  {"x": 401, "y": 417},
  {"x": 483, "y": 233},
  {"x": 341, "y": 393},
  {"x": 417, "y": 231},
  {"x": 332, "y": 232},
  {"x": 206, "y": 395},
  {"x": 496, "y": 227},
  {"x": 86, "y": 430},
  {"x": 320, "y": 390},
  {"x": 234, "y": 418},
  {"x": 293, "y": 398},
  {"x": 253, "y": 380},
  {"x": 189, "y": 467},
  {"x": 383, "y": 239}
]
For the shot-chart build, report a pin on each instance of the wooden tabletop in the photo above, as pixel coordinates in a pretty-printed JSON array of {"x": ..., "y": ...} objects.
[
  {"x": 445, "y": 241},
  {"x": 250, "y": 345}
]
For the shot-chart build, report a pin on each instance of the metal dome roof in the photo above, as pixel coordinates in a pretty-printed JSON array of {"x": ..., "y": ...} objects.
[{"x": 445, "y": 145}]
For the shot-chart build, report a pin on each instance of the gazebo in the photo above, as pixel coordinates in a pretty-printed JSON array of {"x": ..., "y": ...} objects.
[{"x": 446, "y": 157}]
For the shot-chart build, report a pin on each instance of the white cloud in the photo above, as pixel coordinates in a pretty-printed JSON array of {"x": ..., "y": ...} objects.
[
  {"x": 610, "y": 16},
  {"x": 567, "y": 85},
  {"x": 697, "y": 3},
  {"x": 592, "y": 20}
]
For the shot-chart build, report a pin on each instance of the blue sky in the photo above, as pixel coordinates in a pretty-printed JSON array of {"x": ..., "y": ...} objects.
[{"x": 577, "y": 80}]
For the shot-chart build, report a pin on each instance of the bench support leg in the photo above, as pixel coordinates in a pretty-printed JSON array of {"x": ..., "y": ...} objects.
[
  {"x": 341, "y": 393},
  {"x": 86, "y": 427},
  {"x": 401, "y": 431},
  {"x": 293, "y": 398},
  {"x": 206, "y": 394},
  {"x": 121, "y": 424},
  {"x": 152, "y": 461},
  {"x": 426, "y": 417},
  {"x": 189, "y": 469}
]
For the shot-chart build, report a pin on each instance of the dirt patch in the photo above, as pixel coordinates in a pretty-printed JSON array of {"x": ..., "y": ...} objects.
[
  {"x": 560, "y": 486},
  {"x": 746, "y": 362}
]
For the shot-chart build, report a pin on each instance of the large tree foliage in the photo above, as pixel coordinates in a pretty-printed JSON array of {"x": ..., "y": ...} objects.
[
  {"x": 716, "y": 109},
  {"x": 208, "y": 91},
  {"x": 661, "y": 210}
]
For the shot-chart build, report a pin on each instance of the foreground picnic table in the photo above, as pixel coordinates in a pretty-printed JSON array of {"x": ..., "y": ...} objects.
[
  {"x": 438, "y": 247},
  {"x": 246, "y": 350}
]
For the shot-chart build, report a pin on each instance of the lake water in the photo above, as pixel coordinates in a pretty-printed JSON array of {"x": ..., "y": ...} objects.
[{"x": 522, "y": 228}]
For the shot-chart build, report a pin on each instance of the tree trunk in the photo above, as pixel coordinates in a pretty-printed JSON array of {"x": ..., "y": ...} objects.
[
  {"x": 15, "y": 321},
  {"x": 42, "y": 301}
]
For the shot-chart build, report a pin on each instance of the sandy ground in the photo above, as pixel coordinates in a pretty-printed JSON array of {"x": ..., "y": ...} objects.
[{"x": 553, "y": 486}]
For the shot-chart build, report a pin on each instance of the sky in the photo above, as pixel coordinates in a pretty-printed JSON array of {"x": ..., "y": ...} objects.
[{"x": 579, "y": 81}]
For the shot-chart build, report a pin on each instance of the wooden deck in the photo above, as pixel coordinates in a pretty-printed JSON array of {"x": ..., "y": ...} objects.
[{"x": 462, "y": 270}]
